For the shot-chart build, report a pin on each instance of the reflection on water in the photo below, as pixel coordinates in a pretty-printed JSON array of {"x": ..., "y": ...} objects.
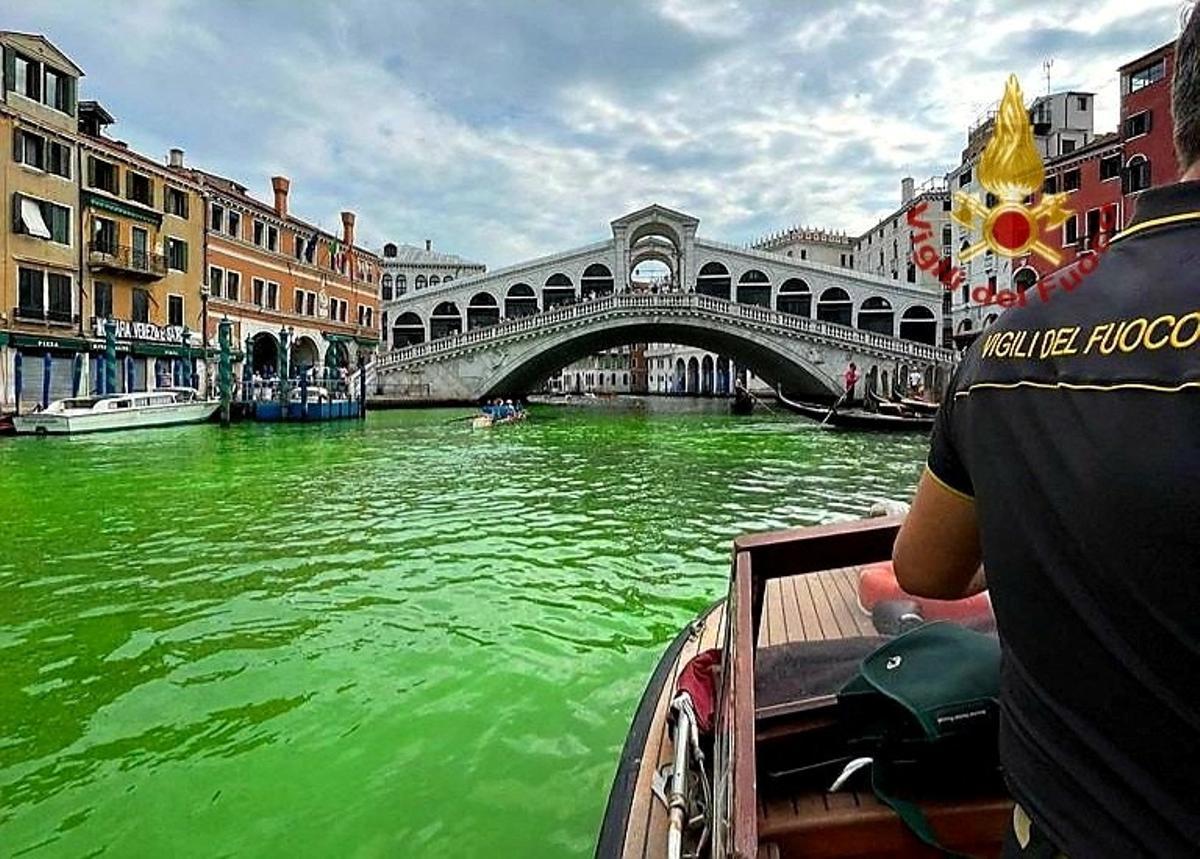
[{"x": 403, "y": 637}]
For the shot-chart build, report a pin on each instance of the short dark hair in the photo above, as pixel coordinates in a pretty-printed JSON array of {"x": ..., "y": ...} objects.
[{"x": 1186, "y": 96}]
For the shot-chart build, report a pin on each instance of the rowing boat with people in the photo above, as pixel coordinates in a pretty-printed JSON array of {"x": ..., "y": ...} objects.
[{"x": 748, "y": 742}]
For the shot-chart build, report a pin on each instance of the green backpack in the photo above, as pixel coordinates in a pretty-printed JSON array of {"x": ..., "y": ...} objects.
[{"x": 923, "y": 714}]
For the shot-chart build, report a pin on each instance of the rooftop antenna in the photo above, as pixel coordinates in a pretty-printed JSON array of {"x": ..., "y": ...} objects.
[{"x": 1047, "y": 64}]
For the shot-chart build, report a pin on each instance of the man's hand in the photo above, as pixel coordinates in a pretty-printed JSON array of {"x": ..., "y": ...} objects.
[{"x": 937, "y": 552}]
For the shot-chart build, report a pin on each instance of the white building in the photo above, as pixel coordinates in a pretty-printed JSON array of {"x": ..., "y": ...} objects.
[{"x": 407, "y": 267}]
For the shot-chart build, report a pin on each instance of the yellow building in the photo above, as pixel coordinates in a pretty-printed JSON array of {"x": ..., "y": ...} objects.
[
  {"x": 143, "y": 267},
  {"x": 41, "y": 315}
]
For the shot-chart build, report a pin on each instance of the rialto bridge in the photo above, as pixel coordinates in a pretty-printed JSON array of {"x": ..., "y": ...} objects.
[{"x": 794, "y": 322}]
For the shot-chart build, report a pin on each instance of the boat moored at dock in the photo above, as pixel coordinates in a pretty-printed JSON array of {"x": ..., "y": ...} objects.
[{"x": 163, "y": 407}]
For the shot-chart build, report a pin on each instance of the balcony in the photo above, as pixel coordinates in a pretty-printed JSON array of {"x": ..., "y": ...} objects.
[
  {"x": 104, "y": 256},
  {"x": 43, "y": 314}
]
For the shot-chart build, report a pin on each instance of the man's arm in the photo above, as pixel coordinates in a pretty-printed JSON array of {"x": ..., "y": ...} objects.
[{"x": 937, "y": 552}]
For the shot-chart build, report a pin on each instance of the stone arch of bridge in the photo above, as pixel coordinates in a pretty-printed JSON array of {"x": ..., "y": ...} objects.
[{"x": 796, "y": 367}]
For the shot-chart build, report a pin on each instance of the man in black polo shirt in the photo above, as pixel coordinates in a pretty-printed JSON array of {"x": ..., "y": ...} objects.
[{"x": 1067, "y": 456}]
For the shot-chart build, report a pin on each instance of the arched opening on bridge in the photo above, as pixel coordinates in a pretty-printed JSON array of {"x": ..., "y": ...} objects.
[
  {"x": 337, "y": 355},
  {"x": 264, "y": 353},
  {"x": 679, "y": 377},
  {"x": 706, "y": 376},
  {"x": 652, "y": 274},
  {"x": 305, "y": 354},
  {"x": 714, "y": 280},
  {"x": 520, "y": 301},
  {"x": 991, "y": 317},
  {"x": 1024, "y": 278},
  {"x": 876, "y": 315},
  {"x": 693, "y": 375},
  {"x": 482, "y": 311},
  {"x": 558, "y": 291},
  {"x": 445, "y": 321},
  {"x": 794, "y": 297},
  {"x": 919, "y": 325},
  {"x": 754, "y": 287},
  {"x": 596, "y": 281},
  {"x": 835, "y": 305},
  {"x": 407, "y": 330},
  {"x": 964, "y": 326}
]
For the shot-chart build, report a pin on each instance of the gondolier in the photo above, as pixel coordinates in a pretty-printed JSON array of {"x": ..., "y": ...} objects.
[{"x": 1070, "y": 468}]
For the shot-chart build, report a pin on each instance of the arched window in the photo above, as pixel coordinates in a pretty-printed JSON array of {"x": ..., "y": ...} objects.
[
  {"x": 596, "y": 280},
  {"x": 434, "y": 280},
  {"x": 794, "y": 297},
  {"x": 558, "y": 290},
  {"x": 401, "y": 284},
  {"x": 1024, "y": 278},
  {"x": 385, "y": 287},
  {"x": 876, "y": 315},
  {"x": 754, "y": 287},
  {"x": 447, "y": 279},
  {"x": 445, "y": 321},
  {"x": 407, "y": 330},
  {"x": 520, "y": 301},
  {"x": 714, "y": 280},
  {"x": 1137, "y": 174},
  {"x": 835, "y": 305},
  {"x": 389, "y": 250},
  {"x": 482, "y": 311},
  {"x": 419, "y": 283}
]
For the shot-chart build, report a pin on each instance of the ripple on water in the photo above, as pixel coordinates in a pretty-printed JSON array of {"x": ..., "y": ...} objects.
[{"x": 397, "y": 638}]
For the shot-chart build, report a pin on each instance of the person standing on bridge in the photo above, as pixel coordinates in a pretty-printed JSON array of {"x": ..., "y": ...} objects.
[{"x": 1073, "y": 476}]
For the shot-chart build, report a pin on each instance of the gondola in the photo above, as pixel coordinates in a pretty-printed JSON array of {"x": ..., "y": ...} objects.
[
  {"x": 859, "y": 419},
  {"x": 739, "y": 787},
  {"x": 901, "y": 405}
]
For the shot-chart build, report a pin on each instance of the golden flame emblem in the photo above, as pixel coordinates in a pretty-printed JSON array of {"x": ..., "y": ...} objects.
[{"x": 1011, "y": 169}]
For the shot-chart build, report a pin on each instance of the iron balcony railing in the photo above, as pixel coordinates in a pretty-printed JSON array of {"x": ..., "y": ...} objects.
[
  {"x": 126, "y": 258},
  {"x": 706, "y": 305}
]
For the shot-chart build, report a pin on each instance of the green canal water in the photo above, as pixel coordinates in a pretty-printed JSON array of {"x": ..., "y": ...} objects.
[{"x": 397, "y": 638}]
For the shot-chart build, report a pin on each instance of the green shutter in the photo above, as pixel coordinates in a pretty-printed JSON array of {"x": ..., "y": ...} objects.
[
  {"x": 17, "y": 148},
  {"x": 91, "y": 171},
  {"x": 183, "y": 256},
  {"x": 17, "y": 225},
  {"x": 128, "y": 185},
  {"x": 10, "y": 69}
]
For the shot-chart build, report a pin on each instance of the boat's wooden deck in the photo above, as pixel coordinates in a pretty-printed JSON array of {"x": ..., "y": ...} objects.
[{"x": 800, "y": 608}]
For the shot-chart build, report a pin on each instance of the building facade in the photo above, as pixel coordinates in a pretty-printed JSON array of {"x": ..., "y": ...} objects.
[
  {"x": 811, "y": 244},
  {"x": 283, "y": 282},
  {"x": 1147, "y": 128},
  {"x": 407, "y": 267},
  {"x": 42, "y": 326}
]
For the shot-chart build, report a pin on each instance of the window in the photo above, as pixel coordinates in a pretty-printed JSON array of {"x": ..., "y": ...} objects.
[
  {"x": 260, "y": 287},
  {"x": 215, "y": 281},
  {"x": 41, "y": 219},
  {"x": 946, "y": 206},
  {"x": 362, "y": 314},
  {"x": 235, "y": 224},
  {"x": 272, "y": 295},
  {"x": 102, "y": 174},
  {"x": 1066, "y": 146},
  {"x": 401, "y": 284},
  {"x": 272, "y": 239},
  {"x": 1147, "y": 75},
  {"x": 104, "y": 235},
  {"x": 233, "y": 286},
  {"x": 59, "y": 91},
  {"x": 1071, "y": 231},
  {"x": 1093, "y": 226},
  {"x": 175, "y": 202},
  {"x": 141, "y": 305},
  {"x": 385, "y": 288},
  {"x": 175, "y": 310},
  {"x": 947, "y": 239},
  {"x": 59, "y": 288},
  {"x": 1050, "y": 186},
  {"x": 843, "y": 263},
  {"x": 102, "y": 299},
  {"x": 370, "y": 316},
  {"x": 1137, "y": 174},
  {"x": 420, "y": 281},
  {"x": 1082, "y": 102},
  {"x": 298, "y": 307},
  {"x": 258, "y": 233},
  {"x": 138, "y": 188},
  {"x": 1071, "y": 180},
  {"x": 298, "y": 246},
  {"x": 216, "y": 218},
  {"x": 964, "y": 179},
  {"x": 1138, "y": 124},
  {"x": 311, "y": 306},
  {"x": 29, "y": 148},
  {"x": 176, "y": 254},
  {"x": 31, "y": 299},
  {"x": 1110, "y": 167},
  {"x": 58, "y": 159},
  {"x": 803, "y": 253},
  {"x": 27, "y": 77}
]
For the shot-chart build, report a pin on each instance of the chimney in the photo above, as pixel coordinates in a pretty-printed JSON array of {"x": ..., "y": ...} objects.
[
  {"x": 429, "y": 244},
  {"x": 906, "y": 189},
  {"x": 348, "y": 229},
  {"x": 175, "y": 158},
  {"x": 280, "y": 185}
]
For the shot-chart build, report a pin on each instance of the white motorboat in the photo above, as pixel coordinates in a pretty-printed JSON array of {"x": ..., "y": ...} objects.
[{"x": 139, "y": 409}]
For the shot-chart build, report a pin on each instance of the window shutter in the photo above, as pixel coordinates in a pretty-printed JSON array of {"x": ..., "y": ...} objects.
[
  {"x": 18, "y": 149},
  {"x": 183, "y": 256},
  {"x": 17, "y": 224},
  {"x": 91, "y": 171},
  {"x": 69, "y": 85},
  {"x": 10, "y": 69},
  {"x": 1149, "y": 118},
  {"x": 128, "y": 185}
]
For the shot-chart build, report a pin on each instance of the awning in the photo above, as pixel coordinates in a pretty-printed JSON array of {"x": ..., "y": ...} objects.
[
  {"x": 31, "y": 217},
  {"x": 108, "y": 204},
  {"x": 337, "y": 338},
  {"x": 3, "y": 338},
  {"x": 367, "y": 341},
  {"x": 34, "y": 341},
  {"x": 160, "y": 350}
]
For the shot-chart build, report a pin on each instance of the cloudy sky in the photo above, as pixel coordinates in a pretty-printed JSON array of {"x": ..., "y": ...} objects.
[{"x": 505, "y": 129}]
